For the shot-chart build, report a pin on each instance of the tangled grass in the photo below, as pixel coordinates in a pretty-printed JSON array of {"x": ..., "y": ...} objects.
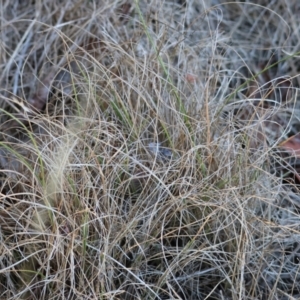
[{"x": 139, "y": 154}]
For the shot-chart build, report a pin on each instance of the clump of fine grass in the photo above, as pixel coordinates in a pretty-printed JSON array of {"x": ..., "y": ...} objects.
[{"x": 138, "y": 151}]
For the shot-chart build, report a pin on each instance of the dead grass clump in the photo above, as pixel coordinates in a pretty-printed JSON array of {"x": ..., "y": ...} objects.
[{"x": 139, "y": 154}]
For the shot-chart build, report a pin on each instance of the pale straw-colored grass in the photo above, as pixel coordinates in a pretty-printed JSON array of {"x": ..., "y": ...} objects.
[{"x": 139, "y": 153}]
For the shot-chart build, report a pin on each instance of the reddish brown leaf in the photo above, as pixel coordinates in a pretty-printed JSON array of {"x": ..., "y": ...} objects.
[
  {"x": 191, "y": 78},
  {"x": 292, "y": 145}
]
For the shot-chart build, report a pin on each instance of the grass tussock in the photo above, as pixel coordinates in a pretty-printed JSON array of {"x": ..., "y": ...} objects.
[{"x": 138, "y": 150}]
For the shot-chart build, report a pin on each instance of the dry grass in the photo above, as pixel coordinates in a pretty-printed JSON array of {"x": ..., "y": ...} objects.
[{"x": 138, "y": 150}]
